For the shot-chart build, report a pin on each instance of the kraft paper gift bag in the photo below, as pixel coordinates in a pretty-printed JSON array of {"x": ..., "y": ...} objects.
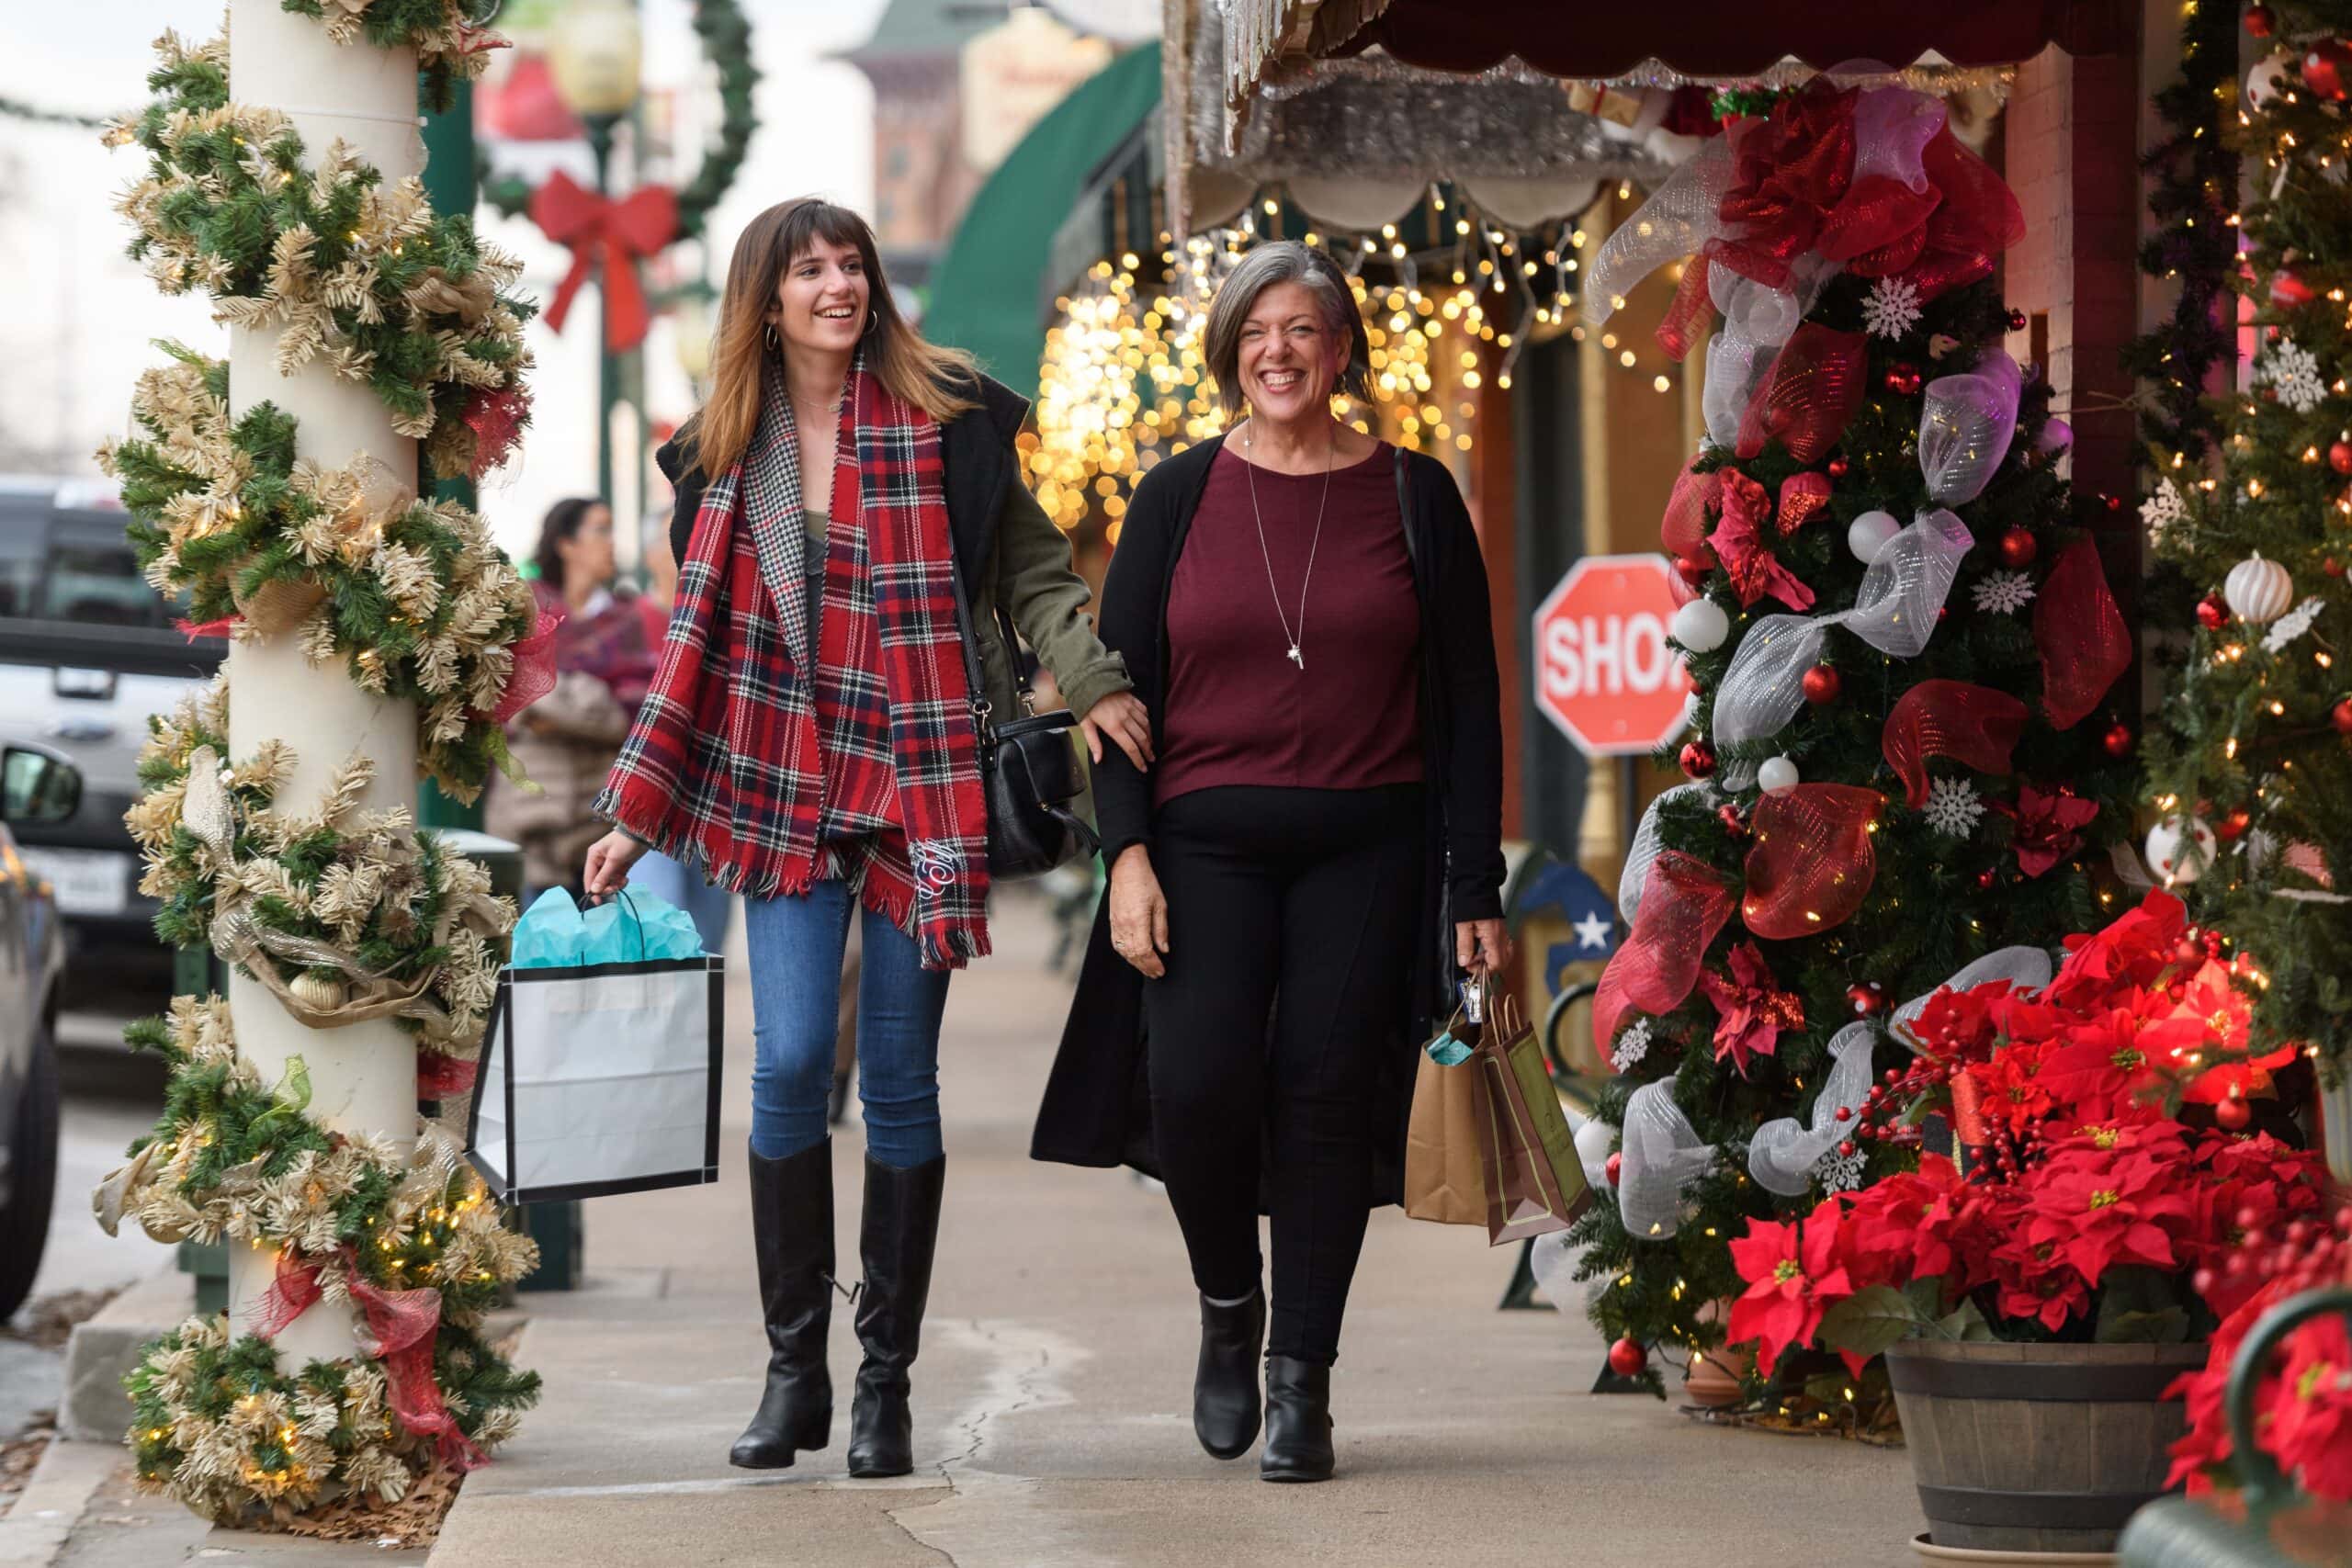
[
  {"x": 1443, "y": 1176},
  {"x": 1530, "y": 1171}
]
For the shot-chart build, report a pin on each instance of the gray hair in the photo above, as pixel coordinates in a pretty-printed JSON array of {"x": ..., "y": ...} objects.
[{"x": 1284, "y": 261}]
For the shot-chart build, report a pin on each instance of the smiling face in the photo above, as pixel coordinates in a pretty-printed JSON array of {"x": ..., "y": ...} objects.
[
  {"x": 822, "y": 299},
  {"x": 587, "y": 554},
  {"x": 1290, "y": 357}
]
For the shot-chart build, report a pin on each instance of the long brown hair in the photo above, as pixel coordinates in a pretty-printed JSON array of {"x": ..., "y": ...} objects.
[{"x": 943, "y": 382}]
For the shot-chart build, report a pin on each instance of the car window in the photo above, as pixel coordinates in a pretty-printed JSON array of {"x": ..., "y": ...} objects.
[{"x": 99, "y": 585}]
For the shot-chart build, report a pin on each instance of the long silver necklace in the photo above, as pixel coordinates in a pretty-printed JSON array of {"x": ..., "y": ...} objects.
[{"x": 1249, "y": 446}]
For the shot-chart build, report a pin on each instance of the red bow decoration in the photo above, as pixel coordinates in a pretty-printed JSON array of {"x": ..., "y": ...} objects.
[
  {"x": 1684, "y": 527},
  {"x": 1738, "y": 541},
  {"x": 1791, "y": 169},
  {"x": 2081, "y": 636},
  {"x": 443, "y": 1077},
  {"x": 1976, "y": 725},
  {"x": 1810, "y": 396},
  {"x": 401, "y": 1328},
  {"x": 1684, "y": 903},
  {"x": 2048, "y": 827},
  {"x": 1967, "y": 217},
  {"x": 621, "y": 232},
  {"x": 533, "y": 676},
  {"x": 1751, "y": 1011},
  {"x": 225, "y": 626},
  {"x": 1811, "y": 863}
]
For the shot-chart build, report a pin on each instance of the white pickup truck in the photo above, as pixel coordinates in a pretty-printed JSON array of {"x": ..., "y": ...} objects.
[{"x": 89, "y": 651}]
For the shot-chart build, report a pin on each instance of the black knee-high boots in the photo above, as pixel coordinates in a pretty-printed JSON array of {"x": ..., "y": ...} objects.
[
  {"x": 792, "y": 1237},
  {"x": 896, "y": 1240}
]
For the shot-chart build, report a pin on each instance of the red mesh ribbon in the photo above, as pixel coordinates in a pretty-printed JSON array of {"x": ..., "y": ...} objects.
[
  {"x": 1684, "y": 527},
  {"x": 226, "y": 625},
  {"x": 1684, "y": 903},
  {"x": 497, "y": 418},
  {"x": 1811, "y": 863},
  {"x": 1791, "y": 170},
  {"x": 443, "y": 1077},
  {"x": 533, "y": 676},
  {"x": 289, "y": 1295},
  {"x": 1691, "y": 308},
  {"x": 1738, "y": 541},
  {"x": 1974, "y": 217},
  {"x": 1810, "y": 396},
  {"x": 402, "y": 1325},
  {"x": 1975, "y": 725},
  {"x": 1803, "y": 497},
  {"x": 2080, "y": 633},
  {"x": 1968, "y": 1111}
]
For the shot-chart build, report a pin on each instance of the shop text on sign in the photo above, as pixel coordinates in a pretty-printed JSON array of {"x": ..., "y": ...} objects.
[{"x": 1604, "y": 672}]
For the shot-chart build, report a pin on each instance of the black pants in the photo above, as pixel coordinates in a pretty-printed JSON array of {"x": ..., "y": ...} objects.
[{"x": 1297, "y": 905}]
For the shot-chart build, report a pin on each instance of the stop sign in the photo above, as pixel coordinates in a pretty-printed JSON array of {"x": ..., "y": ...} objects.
[{"x": 1603, "y": 671}]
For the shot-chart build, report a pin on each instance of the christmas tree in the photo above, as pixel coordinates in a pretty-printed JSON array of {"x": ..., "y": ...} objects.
[
  {"x": 1903, "y": 644},
  {"x": 2250, "y": 772}
]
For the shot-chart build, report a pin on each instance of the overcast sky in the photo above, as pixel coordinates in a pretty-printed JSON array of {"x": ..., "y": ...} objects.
[{"x": 79, "y": 315}]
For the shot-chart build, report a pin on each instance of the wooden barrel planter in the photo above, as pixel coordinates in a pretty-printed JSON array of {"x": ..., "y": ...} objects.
[{"x": 2036, "y": 1448}]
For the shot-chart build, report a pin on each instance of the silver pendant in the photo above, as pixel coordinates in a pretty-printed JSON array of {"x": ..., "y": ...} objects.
[{"x": 1295, "y": 658}]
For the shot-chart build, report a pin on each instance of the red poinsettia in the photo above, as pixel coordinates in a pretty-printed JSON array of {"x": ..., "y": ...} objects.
[
  {"x": 2310, "y": 1411},
  {"x": 2128, "y": 953},
  {"x": 2048, "y": 827},
  {"x": 1794, "y": 1277},
  {"x": 2101, "y": 1207},
  {"x": 1751, "y": 1009},
  {"x": 1738, "y": 541}
]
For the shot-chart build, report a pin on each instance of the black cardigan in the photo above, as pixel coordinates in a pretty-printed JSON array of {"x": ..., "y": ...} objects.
[{"x": 1096, "y": 1108}]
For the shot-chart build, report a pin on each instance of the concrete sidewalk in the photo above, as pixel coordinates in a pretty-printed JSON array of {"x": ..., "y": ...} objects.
[{"x": 1052, "y": 1399}]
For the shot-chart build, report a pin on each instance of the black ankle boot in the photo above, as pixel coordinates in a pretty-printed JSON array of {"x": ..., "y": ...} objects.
[
  {"x": 1298, "y": 1421},
  {"x": 899, "y": 1232},
  {"x": 792, "y": 1236},
  {"x": 1224, "y": 1385}
]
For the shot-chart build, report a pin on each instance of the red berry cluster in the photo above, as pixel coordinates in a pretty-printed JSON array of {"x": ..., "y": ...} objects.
[
  {"x": 1884, "y": 1107},
  {"x": 2302, "y": 1253}
]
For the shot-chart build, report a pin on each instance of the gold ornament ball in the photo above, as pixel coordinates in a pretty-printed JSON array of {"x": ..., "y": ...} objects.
[{"x": 317, "y": 990}]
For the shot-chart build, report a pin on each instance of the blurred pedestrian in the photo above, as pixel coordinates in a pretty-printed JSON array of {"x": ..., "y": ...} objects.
[
  {"x": 813, "y": 741},
  {"x": 1314, "y": 852},
  {"x": 605, "y": 654}
]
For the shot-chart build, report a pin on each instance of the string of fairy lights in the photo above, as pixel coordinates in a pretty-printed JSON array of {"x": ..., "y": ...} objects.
[{"x": 1123, "y": 381}]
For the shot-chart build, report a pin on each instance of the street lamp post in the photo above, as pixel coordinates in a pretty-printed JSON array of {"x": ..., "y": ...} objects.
[{"x": 593, "y": 54}]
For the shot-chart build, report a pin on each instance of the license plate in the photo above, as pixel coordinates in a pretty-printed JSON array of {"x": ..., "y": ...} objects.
[{"x": 87, "y": 882}]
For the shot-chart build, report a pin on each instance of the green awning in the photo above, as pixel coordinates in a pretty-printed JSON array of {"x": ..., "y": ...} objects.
[{"x": 984, "y": 292}]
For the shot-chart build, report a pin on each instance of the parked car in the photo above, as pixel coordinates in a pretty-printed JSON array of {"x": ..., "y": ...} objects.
[
  {"x": 89, "y": 651},
  {"x": 38, "y": 787}
]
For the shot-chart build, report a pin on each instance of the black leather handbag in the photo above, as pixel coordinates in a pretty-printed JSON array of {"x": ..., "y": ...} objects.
[{"x": 1026, "y": 767}]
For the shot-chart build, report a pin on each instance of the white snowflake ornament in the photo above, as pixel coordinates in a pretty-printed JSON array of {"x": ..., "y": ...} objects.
[
  {"x": 2163, "y": 509},
  {"x": 2292, "y": 625},
  {"x": 1841, "y": 1173},
  {"x": 1632, "y": 1046},
  {"x": 2003, "y": 593},
  {"x": 1952, "y": 808},
  {"x": 2293, "y": 372},
  {"x": 1892, "y": 308}
]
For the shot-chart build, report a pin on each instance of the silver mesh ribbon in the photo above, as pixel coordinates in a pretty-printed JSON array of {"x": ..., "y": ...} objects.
[
  {"x": 1681, "y": 217},
  {"x": 1781, "y": 1154},
  {"x": 1966, "y": 427},
  {"x": 1646, "y": 847},
  {"x": 1659, "y": 1156}
]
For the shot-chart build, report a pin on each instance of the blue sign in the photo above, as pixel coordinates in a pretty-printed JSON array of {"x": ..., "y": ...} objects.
[{"x": 1589, "y": 913}]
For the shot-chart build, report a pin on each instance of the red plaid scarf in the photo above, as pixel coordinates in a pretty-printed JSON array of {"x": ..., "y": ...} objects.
[{"x": 774, "y": 769}]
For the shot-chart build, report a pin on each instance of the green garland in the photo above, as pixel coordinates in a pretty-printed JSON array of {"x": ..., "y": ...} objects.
[
  {"x": 412, "y": 596},
  {"x": 725, "y": 36},
  {"x": 368, "y": 277}
]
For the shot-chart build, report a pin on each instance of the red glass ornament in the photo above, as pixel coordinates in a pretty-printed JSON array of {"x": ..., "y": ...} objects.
[
  {"x": 2339, "y": 455},
  {"x": 1627, "y": 1358},
  {"x": 2017, "y": 320},
  {"x": 1822, "y": 685},
  {"x": 1698, "y": 758},
  {"x": 2333, "y": 567},
  {"x": 1867, "y": 999},
  {"x": 2288, "y": 289},
  {"x": 2232, "y": 1114},
  {"x": 2211, "y": 613},
  {"x": 2233, "y": 826},
  {"x": 2340, "y": 715},
  {"x": 2325, "y": 66},
  {"x": 2261, "y": 21},
  {"x": 2118, "y": 741},
  {"x": 1694, "y": 571},
  {"x": 1902, "y": 379},
  {"x": 1615, "y": 1167},
  {"x": 1838, "y": 467},
  {"x": 2115, "y": 503},
  {"x": 2018, "y": 547},
  {"x": 1986, "y": 878},
  {"x": 1729, "y": 817}
]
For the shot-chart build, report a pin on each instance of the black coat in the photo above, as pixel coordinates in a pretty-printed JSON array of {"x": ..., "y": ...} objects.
[{"x": 1097, "y": 1106}]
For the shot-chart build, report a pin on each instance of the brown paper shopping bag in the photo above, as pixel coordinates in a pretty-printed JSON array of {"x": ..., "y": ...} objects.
[
  {"x": 1528, "y": 1165},
  {"x": 1442, "y": 1183}
]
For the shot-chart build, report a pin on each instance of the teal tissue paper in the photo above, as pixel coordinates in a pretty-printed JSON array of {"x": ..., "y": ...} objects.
[{"x": 556, "y": 933}]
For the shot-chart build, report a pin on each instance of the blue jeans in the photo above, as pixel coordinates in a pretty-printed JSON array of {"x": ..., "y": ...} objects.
[{"x": 797, "y": 943}]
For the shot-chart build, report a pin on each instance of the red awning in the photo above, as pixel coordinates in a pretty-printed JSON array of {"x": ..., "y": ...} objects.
[{"x": 1737, "y": 37}]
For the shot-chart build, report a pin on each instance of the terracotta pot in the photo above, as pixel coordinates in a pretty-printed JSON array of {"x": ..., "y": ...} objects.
[{"x": 1714, "y": 1380}]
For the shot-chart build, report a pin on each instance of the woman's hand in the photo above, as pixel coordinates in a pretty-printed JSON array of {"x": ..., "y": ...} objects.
[
  {"x": 1483, "y": 947},
  {"x": 1138, "y": 911},
  {"x": 609, "y": 859},
  {"x": 1123, "y": 718}
]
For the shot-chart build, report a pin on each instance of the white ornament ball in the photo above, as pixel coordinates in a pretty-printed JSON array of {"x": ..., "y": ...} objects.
[
  {"x": 1775, "y": 774},
  {"x": 2169, "y": 849},
  {"x": 1700, "y": 626},
  {"x": 1869, "y": 534},
  {"x": 2268, "y": 79},
  {"x": 2258, "y": 591}
]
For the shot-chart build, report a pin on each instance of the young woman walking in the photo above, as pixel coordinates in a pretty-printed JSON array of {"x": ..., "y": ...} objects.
[{"x": 811, "y": 742}]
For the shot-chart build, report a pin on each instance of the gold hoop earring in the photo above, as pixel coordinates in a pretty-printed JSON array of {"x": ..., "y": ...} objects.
[{"x": 873, "y": 320}]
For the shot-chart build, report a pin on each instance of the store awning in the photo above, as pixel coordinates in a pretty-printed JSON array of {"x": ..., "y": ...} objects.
[
  {"x": 1695, "y": 37},
  {"x": 985, "y": 288}
]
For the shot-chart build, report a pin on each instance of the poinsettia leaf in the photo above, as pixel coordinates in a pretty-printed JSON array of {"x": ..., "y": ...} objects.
[
  {"x": 1926, "y": 1295},
  {"x": 1869, "y": 1321},
  {"x": 2140, "y": 1305},
  {"x": 1967, "y": 1323}
]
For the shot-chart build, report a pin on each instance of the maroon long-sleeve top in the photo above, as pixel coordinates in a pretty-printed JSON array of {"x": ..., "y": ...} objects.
[{"x": 1237, "y": 710}]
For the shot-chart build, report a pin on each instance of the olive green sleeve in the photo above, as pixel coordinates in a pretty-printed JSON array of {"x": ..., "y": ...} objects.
[{"x": 1047, "y": 601}]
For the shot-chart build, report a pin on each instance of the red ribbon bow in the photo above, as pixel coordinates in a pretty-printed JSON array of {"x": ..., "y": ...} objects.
[
  {"x": 621, "y": 232},
  {"x": 1738, "y": 541}
]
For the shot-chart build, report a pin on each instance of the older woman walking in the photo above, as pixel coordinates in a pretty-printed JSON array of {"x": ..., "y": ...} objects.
[
  {"x": 1311, "y": 856},
  {"x": 812, "y": 739}
]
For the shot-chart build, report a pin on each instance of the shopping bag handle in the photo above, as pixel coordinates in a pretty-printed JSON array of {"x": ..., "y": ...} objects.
[{"x": 629, "y": 907}]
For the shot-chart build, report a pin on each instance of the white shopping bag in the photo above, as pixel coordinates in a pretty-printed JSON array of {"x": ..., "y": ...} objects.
[{"x": 599, "y": 1079}]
